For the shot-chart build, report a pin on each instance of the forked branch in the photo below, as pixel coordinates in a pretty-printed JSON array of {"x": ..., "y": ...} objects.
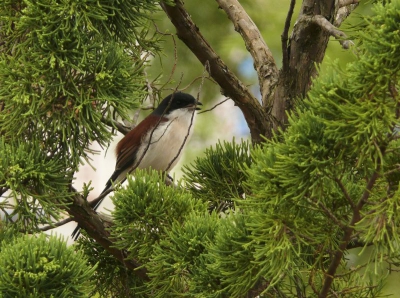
[{"x": 257, "y": 119}]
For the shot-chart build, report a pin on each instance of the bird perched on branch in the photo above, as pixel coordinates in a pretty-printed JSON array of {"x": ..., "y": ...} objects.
[{"x": 156, "y": 142}]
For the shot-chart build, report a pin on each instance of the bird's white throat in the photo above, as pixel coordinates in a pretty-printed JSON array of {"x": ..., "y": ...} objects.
[{"x": 167, "y": 140}]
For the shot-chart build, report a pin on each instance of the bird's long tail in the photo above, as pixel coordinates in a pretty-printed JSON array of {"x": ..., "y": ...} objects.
[{"x": 114, "y": 177}]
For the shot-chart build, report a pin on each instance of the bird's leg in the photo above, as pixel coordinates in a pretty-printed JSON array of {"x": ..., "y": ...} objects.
[{"x": 169, "y": 180}]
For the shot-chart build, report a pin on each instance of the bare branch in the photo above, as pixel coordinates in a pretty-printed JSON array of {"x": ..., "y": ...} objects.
[
  {"x": 57, "y": 224},
  {"x": 206, "y": 68},
  {"x": 137, "y": 163},
  {"x": 332, "y": 30},
  {"x": 6, "y": 214},
  {"x": 264, "y": 62},
  {"x": 257, "y": 119},
  {"x": 175, "y": 55},
  {"x": 94, "y": 225},
  {"x": 284, "y": 37},
  {"x": 343, "y": 3},
  {"x": 196, "y": 79},
  {"x": 183, "y": 143},
  {"x": 216, "y": 105},
  {"x": 344, "y": 11},
  {"x": 120, "y": 127}
]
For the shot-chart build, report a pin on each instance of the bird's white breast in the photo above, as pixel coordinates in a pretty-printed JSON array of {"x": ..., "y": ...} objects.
[{"x": 167, "y": 141}]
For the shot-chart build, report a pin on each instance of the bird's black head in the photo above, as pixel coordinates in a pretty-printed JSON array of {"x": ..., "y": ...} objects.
[{"x": 175, "y": 101}]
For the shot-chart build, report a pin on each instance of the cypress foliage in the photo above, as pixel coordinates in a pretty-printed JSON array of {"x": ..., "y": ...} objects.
[
  {"x": 66, "y": 69},
  {"x": 38, "y": 267},
  {"x": 217, "y": 178},
  {"x": 276, "y": 220},
  {"x": 327, "y": 180}
]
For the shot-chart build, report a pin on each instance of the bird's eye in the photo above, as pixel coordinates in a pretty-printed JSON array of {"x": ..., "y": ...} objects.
[{"x": 179, "y": 102}]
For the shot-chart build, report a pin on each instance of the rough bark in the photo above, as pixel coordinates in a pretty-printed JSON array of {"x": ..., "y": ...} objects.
[
  {"x": 257, "y": 119},
  {"x": 264, "y": 62},
  {"x": 279, "y": 88},
  {"x": 306, "y": 49}
]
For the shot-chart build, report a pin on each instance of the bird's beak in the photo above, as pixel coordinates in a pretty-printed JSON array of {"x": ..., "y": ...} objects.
[{"x": 198, "y": 104}]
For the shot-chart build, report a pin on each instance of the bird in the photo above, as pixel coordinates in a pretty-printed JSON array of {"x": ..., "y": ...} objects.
[{"x": 156, "y": 142}]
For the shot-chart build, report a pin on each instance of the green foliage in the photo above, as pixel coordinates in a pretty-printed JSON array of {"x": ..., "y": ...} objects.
[
  {"x": 300, "y": 200},
  {"x": 111, "y": 278},
  {"x": 169, "y": 231},
  {"x": 62, "y": 70},
  {"x": 7, "y": 233},
  {"x": 231, "y": 256},
  {"x": 146, "y": 209},
  {"x": 37, "y": 182},
  {"x": 312, "y": 185},
  {"x": 66, "y": 69},
  {"x": 217, "y": 178},
  {"x": 178, "y": 266},
  {"x": 33, "y": 266}
]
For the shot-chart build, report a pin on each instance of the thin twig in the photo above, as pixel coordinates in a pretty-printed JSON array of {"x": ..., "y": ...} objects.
[
  {"x": 6, "y": 214},
  {"x": 332, "y": 30},
  {"x": 216, "y": 105},
  {"x": 136, "y": 164},
  {"x": 199, "y": 78},
  {"x": 396, "y": 169},
  {"x": 329, "y": 214},
  {"x": 57, "y": 224},
  {"x": 284, "y": 36},
  {"x": 120, "y": 127},
  {"x": 345, "y": 193},
  {"x": 175, "y": 55},
  {"x": 206, "y": 69}
]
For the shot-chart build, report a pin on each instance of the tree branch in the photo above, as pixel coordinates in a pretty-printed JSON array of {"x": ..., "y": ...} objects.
[
  {"x": 328, "y": 213},
  {"x": 216, "y": 105},
  {"x": 343, "y": 3},
  {"x": 57, "y": 224},
  {"x": 347, "y": 236},
  {"x": 257, "y": 119},
  {"x": 344, "y": 11},
  {"x": 264, "y": 62},
  {"x": 284, "y": 37},
  {"x": 120, "y": 127},
  {"x": 332, "y": 30},
  {"x": 305, "y": 50},
  {"x": 345, "y": 193},
  {"x": 93, "y": 224}
]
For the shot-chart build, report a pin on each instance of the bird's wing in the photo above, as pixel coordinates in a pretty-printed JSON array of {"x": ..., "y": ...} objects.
[
  {"x": 127, "y": 148},
  {"x": 126, "y": 154}
]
